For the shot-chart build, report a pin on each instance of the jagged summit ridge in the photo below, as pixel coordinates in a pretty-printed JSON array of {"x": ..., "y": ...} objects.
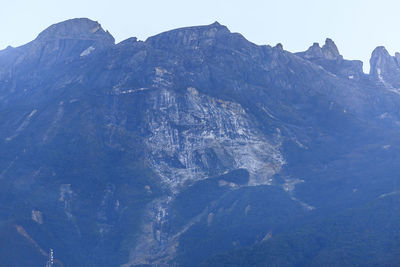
[
  {"x": 166, "y": 142},
  {"x": 194, "y": 36},
  {"x": 87, "y": 29},
  {"x": 385, "y": 68},
  {"x": 79, "y": 28},
  {"x": 329, "y": 58},
  {"x": 328, "y": 51},
  {"x": 62, "y": 41},
  {"x": 381, "y": 59}
]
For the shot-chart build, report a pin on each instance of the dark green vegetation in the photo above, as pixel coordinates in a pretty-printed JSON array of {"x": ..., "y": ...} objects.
[{"x": 196, "y": 148}]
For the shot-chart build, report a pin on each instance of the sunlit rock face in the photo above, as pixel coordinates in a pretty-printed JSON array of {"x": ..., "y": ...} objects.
[
  {"x": 184, "y": 149},
  {"x": 194, "y": 136}
]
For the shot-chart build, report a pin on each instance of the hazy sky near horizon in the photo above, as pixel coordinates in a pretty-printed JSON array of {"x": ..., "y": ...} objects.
[{"x": 356, "y": 26}]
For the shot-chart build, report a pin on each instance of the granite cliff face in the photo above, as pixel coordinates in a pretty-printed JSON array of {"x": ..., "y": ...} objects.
[
  {"x": 190, "y": 146},
  {"x": 385, "y": 68}
]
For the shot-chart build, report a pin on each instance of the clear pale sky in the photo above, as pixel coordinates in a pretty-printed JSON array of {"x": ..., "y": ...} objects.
[{"x": 356, "y": 26}]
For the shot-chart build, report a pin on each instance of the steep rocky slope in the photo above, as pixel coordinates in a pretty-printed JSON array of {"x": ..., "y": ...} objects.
[{"x": 192, "y": 143}]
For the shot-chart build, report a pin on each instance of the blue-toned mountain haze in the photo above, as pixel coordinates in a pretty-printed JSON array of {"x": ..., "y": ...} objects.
[
  {"x": 196, "y": 147},
  {"x": 357, "y": 26}
]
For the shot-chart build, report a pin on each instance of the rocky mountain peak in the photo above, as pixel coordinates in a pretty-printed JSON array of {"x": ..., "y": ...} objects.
[
  {"x": 79, "y": 28},
  {"x": 142, "y": 153},
  {"x": 330, "y": 51},
  {"x": 385, "y": 68},
  {"x": 197, "y": 36},
  {"x": 62, "y": 41},
  {"x": 380, "y": 53},
  {"x": 217, "y": 24},
  {"x": 382, "y": 62},
  {"x": 279, "y": 46},
  {"x": 329, "y": 58},
  {"x": 314, "y": 51}
]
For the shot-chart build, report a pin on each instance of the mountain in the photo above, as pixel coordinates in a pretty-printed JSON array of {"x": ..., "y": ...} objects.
[{"x": 195, "y": 147}]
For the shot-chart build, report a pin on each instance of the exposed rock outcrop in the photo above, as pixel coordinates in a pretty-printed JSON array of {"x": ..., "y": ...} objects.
[{"x": 329, "y": 58}]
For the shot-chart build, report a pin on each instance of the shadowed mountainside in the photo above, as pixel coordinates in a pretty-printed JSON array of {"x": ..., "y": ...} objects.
[{"x": 195, "y": 147}]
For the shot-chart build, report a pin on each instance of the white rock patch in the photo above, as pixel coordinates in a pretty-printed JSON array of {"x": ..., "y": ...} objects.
[
  {"x": 87, "y": 51},
  {"x": 193, "y": 134}
]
